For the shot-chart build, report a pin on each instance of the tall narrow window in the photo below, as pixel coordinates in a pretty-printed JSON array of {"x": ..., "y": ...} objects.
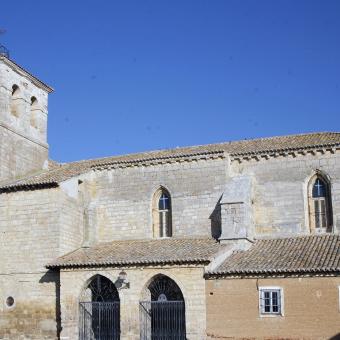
[
  {"x": 164, "y": 206},
  {"x": 34, "y": 108},
  {"x": 162, "y": 226},
  {"x": 15, "y": 101},
  {"x": 320, "y": 208}
]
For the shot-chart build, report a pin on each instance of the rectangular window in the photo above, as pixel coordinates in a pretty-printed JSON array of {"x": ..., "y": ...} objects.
[{"x": 270, "y": 301}]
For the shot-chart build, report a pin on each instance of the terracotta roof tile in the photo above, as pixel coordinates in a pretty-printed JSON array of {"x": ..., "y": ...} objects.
[
  {"x": 303, "y": 254},
  {"x": 57, "y": 174},
  {"x": 137, "y": 252}
]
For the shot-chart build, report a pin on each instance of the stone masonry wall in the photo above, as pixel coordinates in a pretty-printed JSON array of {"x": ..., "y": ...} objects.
[
  {"x": 19, "y": 156},
  {"x": 189, "y": 279},
  {"x": 23, "y": 135},
  {"x": 71, "y": 224},
  {"x": 32, "y": 226},
  {"x": 123, "y": 198},
  {"x": 311, "y": 309},
  {"x": 29, "y": 239},
  {"x": 279, "y": 203}
]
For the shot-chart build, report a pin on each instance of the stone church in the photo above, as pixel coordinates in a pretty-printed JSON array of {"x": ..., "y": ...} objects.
[{"x": 238, "y": 240}]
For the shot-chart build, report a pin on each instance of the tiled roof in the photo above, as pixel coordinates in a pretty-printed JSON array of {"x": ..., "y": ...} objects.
[
  {"x": 304, "y": 254},
  {"x": 236, "y": 149},
  {"x": 138, "y": 252},
  {"x": 284, "y": 143}
]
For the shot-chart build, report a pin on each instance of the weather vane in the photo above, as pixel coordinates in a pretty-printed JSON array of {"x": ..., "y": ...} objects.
[{"x": 3, "y": 50}]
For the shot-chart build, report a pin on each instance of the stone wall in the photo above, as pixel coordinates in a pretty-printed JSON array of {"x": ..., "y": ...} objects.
[
  {"x": 23, "y": 127},
  {"x": 122, "y": 203},
  {"x": 34, "y": 227},
  {"x": 279, "y": 198},
  {"x": 311, "y": 309},
  {"x": 19, "y": 156},
  {"x": 35, "y": 311},
  {"x": 71, "y": 223},
  {"x": 250, "y": 199},
  {"x": 189, "y": 279}
]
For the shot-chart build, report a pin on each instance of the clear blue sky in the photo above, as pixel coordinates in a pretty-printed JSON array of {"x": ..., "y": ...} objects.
[{"x": 141, "y": 75}]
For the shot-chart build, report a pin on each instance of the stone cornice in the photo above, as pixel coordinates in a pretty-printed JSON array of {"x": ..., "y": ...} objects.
[
  {"x": 264, "y": 155},
  {"x": 14, "y": 66},
  {"x": 160, "y": 160}
]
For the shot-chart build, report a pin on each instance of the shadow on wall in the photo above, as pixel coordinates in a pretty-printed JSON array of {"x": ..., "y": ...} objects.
[
  {"x": 215, "y": 219},
  {"x": 53, "y": 276},
  {"x": 335, "y": 337}
]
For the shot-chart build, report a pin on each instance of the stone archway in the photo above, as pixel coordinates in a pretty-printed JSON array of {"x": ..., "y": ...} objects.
[
  {"x": 162, "y": 310},
  {"x": 99, "y": 310}
]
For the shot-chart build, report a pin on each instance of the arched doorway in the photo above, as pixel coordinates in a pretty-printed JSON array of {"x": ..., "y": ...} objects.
[
  {"x": 99, "y": 311},
  {"x": 162, "y": 312}
]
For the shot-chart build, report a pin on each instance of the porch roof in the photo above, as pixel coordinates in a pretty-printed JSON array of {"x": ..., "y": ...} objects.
[
  {"x": 141, "y": 252},
  {"x": 312, "y": 254}
]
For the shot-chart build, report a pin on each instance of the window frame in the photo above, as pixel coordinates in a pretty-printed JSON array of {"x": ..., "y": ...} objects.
[
  {"x": 313, "y": 201},
  {"x": 162, "y": 218},
  {"x": 262, "y": 290}
]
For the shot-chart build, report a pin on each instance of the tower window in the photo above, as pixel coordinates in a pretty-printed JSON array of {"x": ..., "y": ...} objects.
[
  {"x": 320, "y": 207},
  {"x": 15, "y": 101},
  {"x": 33, "y": 101},
  {"x": 33, "y": 113},
  {"x": 162, "y": 224},
  {"x": 15, "y": 89}
]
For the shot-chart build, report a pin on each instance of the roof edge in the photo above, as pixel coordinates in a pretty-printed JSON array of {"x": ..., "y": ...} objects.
[
  {"x": 28, "y": 187},
  {"x": 292, "y": 149},
  {"x": 273, "y": 273},
  {"x": 12, "y": 64},
  {"x": 127, "y": 263}
]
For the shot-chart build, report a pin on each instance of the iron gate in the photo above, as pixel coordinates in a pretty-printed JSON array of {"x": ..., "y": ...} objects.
[
  {"x": 162, "y": 320},
  {"x": 99, "y": 321}
]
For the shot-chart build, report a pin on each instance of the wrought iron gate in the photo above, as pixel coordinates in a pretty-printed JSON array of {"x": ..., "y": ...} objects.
[
  {"x": 99, "y": 321},
  {"x": 162, "y": 320}
]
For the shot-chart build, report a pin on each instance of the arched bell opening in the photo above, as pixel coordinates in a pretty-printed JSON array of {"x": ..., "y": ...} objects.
[
  {"x": 162, "y": 314},
  {"x": 99, "y": 310}
]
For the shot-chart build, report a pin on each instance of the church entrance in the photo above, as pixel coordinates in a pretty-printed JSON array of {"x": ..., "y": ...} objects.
[
  {"x": 99, "y": 311},
  {"x": 162, "y": 315}
]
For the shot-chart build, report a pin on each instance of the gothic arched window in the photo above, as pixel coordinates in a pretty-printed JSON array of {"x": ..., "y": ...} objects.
[
  {"x": 162, "y": 224},
  {"x": 320, "y": 207}
]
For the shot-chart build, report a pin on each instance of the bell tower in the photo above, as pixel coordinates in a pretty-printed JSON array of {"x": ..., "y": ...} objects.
[{"x": 23, "y": 121}]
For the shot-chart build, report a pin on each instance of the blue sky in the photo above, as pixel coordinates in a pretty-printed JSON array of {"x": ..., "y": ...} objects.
[{"x": 141, "y": 75}]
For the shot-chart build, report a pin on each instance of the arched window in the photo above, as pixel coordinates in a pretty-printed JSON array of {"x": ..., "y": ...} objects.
[
  {"x": 320, "y": 207},
  {"x": 15, "y": 101},
  {"x": 162, "y": 224},
  {"x": 33, "y": 113}
]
